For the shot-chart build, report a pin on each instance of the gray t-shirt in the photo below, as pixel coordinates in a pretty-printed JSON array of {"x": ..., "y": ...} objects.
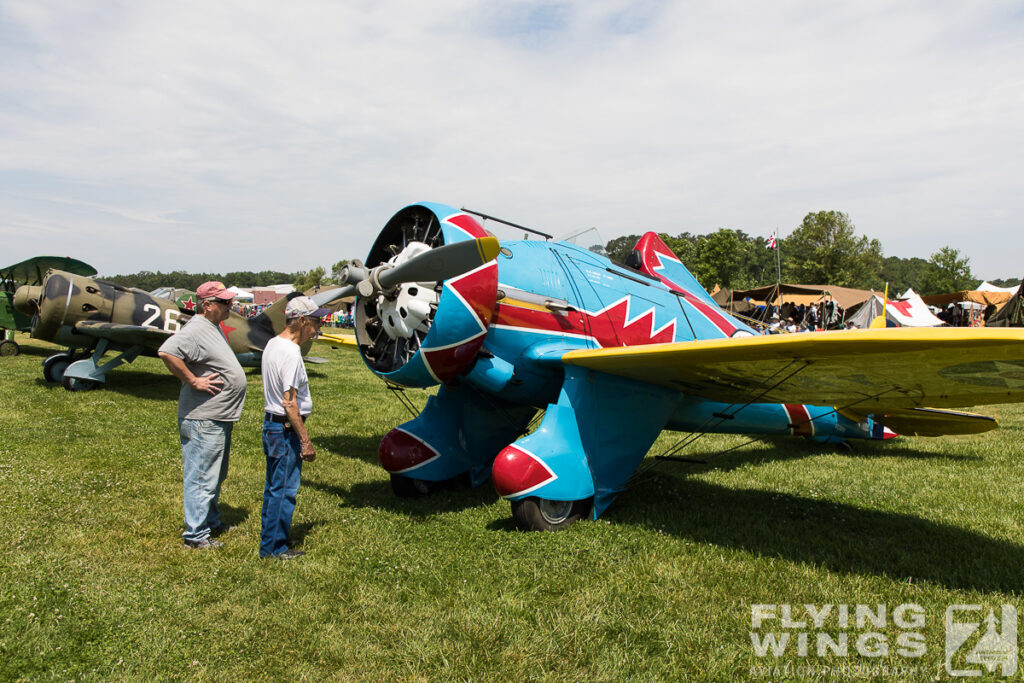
[{"x": 205, "y": 350}]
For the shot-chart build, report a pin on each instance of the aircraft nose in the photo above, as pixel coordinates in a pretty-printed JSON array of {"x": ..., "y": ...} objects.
[{"x": 26, "y": 299}]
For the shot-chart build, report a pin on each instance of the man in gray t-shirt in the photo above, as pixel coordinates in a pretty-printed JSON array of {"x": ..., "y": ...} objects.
[{"x": 211, "y": 400}]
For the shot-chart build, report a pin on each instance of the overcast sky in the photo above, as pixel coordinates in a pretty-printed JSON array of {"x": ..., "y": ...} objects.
[{"x": 211, "y": 135}]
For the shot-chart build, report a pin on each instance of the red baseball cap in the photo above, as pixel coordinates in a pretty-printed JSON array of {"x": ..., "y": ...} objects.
[{"x": 214, "y": 290}]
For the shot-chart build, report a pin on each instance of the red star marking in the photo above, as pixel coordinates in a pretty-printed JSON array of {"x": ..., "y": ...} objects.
[
  {"x": 227, "y": 329},
  {"x": 902, "y": 306},
  {"x": 189, "y": 304}
]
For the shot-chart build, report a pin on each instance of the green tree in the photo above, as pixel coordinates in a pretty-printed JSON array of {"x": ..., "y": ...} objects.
[
  {"x": 825, "y": 250},
  {"x": 947, "y": 272},
  {"x": 718, "y": 259},
  {"x": 336, "y": 269},
  {"x": 311, "y": 278},
  {"x": 620, "y": 247},
  {"x": 902, "y": 273}
]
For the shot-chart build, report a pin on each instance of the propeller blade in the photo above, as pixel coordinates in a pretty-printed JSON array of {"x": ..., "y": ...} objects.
[
  {"x": 326, "y": 297},
  {"x": 442, "y": 263}
]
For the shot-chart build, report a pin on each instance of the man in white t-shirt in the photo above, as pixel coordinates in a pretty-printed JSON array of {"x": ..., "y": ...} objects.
[{"x": 285, "y": 441}]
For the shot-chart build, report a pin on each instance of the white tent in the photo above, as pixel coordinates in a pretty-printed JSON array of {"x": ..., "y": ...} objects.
[
  {"x": 989, "y": 287},
  {"x": 241, "y": 294},
  {"x": 907, "y": 311},
  {"x": 911, "y": 311}
]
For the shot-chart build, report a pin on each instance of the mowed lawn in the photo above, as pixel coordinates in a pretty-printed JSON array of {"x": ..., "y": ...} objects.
[{"x": 95, "y": 582}]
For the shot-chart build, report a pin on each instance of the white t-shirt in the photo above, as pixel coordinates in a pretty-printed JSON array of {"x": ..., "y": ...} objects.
[{"x": 283, "y": 369}]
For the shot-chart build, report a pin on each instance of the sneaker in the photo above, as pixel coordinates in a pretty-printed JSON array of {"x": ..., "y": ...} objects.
[
  {"x": 205, "y": 544},
  {"x": 290, "y": 554},
  {"x": 221, "y": 529}
]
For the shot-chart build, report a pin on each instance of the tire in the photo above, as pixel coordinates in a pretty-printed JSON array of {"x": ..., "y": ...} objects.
[
  {"x": 54, "y": 367},
  {"x": 407, "y": 487},
  {"x": 75, "y": 384},
  {"x": 9, "y": 347},
  {"x": 539, "y": 514}
]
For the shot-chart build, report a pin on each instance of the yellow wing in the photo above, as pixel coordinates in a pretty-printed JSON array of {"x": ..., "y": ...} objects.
[{"x": 883, "y": 369}]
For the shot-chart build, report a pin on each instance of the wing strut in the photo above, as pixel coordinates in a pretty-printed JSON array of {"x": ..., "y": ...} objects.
[
  {"x": 399, "y": 393},
  {"x": 711, "y": 423}
]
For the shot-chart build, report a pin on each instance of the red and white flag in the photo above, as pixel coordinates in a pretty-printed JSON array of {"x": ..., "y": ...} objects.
[{"x": 773, "y": 242}]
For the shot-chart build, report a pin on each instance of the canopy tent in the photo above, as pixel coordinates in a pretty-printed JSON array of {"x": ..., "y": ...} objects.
[
  {"x": 1012, "y": 312},
  {"x": 978, "y": 296},
  {"x": 774, "y": 295},
  {"x": 908, "y": 311},
  {"x": 724, "y": 298},
  {"x": 987, "y": 286}
]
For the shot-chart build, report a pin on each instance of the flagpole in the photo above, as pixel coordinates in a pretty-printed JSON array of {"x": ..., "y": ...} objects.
[{"x": 778, "y": 256}]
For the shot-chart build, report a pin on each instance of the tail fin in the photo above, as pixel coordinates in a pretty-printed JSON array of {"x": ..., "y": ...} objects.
[
  {"x": 652, "y": 256},
  {"x": 271, "y": 318}
]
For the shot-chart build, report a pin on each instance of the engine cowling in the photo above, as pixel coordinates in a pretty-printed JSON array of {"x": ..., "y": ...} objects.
[{"x": 419, "y": 334}]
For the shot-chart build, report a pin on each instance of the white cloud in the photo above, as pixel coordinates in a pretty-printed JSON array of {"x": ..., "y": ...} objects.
[{"x": 315, "y": 121}]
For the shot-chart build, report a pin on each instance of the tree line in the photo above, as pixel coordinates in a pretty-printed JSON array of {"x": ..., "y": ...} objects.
[{"x": 824, "y": 250}]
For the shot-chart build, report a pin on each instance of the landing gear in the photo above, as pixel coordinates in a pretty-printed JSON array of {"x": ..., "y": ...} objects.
[
  {"x": 9, "y": 347},
  {"x": 540, "y": 514},
  {"x": 407, "y": 487},
  {"x": 77, "y": 384},
  {"x": 54, "y": 367}
]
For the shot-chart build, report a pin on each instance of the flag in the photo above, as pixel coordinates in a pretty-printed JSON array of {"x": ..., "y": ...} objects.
[{"x": 773, "y": 241}]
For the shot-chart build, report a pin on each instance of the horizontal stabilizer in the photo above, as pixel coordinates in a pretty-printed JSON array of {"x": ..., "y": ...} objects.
[{"x": 930, "y": 421}]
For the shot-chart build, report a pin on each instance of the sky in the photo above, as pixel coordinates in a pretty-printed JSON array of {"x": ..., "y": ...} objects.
[{"x": 257, "y": 135}]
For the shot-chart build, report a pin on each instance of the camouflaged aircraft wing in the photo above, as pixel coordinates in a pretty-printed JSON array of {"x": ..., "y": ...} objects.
[{"x": 126, "y": 335}]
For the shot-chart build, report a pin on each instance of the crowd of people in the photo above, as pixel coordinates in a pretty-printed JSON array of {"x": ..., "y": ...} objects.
[
  {"x": 827, "y": 315},
  {"x": 211, "y": 401},
  {"x": 790, "y": 317},
  {"x": 339, "y": 318}
]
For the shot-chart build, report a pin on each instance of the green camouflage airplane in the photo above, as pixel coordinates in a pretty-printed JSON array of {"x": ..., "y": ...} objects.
[
  {"x": 91, "y": 317},
  {"x": 28, "y": 272}
]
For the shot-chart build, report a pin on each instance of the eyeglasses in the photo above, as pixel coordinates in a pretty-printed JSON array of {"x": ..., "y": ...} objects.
[{"x": 226, "y": 302}]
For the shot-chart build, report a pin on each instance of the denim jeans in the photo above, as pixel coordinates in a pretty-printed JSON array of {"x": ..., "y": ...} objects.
[
  {"x": 205, "y": 451},
  {"x": 284, "y": 471}
]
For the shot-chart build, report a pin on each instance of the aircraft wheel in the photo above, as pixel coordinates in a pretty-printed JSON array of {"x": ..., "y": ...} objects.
[
  {"x": 76, "y": 384},
  {"x": 9, "y": 348},
  {"x": 540, "y": 514},
  {"x": 407, "y": 487},
  {"x": 54, "y": 367}
]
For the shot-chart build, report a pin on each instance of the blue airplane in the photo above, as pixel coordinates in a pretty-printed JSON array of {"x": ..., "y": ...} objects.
[{"x": 614, "y": 354}]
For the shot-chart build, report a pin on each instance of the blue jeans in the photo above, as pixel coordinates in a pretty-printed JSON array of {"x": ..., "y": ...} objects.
[
  {"x": 284, "y": 471},
  {"x": 205, "y": 451}
]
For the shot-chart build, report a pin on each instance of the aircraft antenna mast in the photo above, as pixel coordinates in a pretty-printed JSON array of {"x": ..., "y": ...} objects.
[{"x": 514, "y": 225}]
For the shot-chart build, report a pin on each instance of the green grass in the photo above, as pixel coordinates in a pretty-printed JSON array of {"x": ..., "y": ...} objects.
[{"x": 95, "y": 583}]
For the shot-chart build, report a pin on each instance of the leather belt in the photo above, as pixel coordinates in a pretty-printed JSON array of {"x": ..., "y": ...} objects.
[{"x": 280, "y": 419}]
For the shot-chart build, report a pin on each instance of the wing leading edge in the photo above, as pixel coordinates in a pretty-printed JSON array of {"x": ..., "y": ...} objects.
[
  {"x": 147, "y": 337},
  {"x": 873, "y": 370}
]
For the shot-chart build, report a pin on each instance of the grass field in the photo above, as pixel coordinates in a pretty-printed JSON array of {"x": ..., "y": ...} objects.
[{"x": 95, "y": 582}]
